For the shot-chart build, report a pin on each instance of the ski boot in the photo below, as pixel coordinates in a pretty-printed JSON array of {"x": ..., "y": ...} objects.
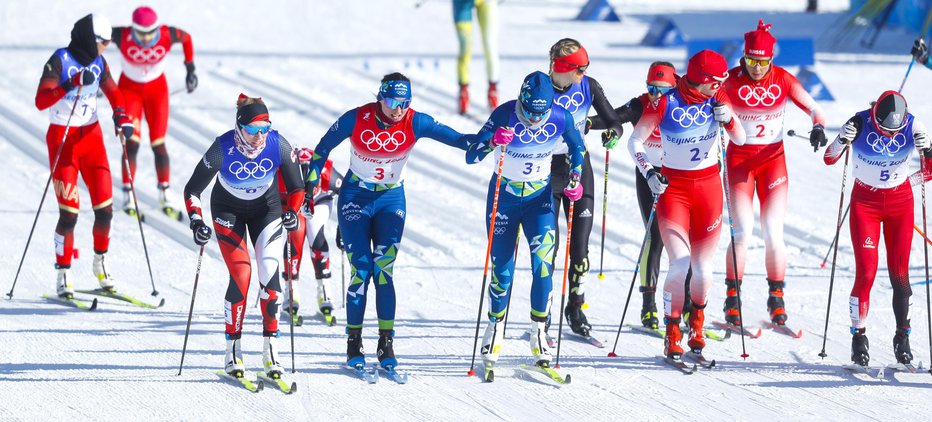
[
  {"x": 859, "y": 346},
  {"x": 493, "y": 95},
  {"x": 464, "y": 98},
  {"x": 696, "y": 322},
  {"x": 100, "y": 271},
  {"x": 671, "y": 342},
  {"x": 129, "y": 204},
  {"x": 576, "y": 318},
  {"x": 385, "y": 351},
  {"x": 324, "y": 304},
  {"x": 901, "y": 346},
  {"x": 775, "y": 303},
  {"x": 539, "y": 347},
  {"x": 270, "y": 361},
  {"x": 63, "y": 282},
  {"x": 732, "y": 316},
  {"x": 169, "y": 207},
  {"x": 234, "y": 358},
  {"x": 355, "y": 355},
  {"x": 294, "y": 301},
  {"x": 491, "y": 348},
  {"x": 649, "y": 309}
]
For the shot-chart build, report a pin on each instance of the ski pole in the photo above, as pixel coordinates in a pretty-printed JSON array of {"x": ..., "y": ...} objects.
[
  {"x": 45, "y": 191},
  {"x": 837, "y": 231},
  {"x": 289, "y": 279},
  {"x": 604, "y": 209},
  {"x": 831, "y": 279},
  {"x": 731, "y": 232},
  {"x": 925, "y": 252},
  {"x": 566, "y": 271},
  {"x": 912, "y": 61},
  {"x": 637, "y": 266},
  {"x": 136, "y": 205},
  {"x": 488, "y": 256},
  {"x": 187, "y": 329},
  {"x": 343, "y": 275}
]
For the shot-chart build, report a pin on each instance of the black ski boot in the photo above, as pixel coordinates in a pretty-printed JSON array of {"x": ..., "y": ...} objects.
[
  {"x": 732, "y": 316},
  {"x": 649, "y": 308},
  {"x": 355, "y": 355},
  {"x": 859, "y": 346},
  {"x": 775, "y": 304},
  {"x": 576, "y": 318},
  {"x": 385, "y": 351},
  {"x": 901, "y": 346}
]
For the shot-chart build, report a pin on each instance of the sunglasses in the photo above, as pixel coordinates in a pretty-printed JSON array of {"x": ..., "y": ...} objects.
[
  {"x": 394, "y": 103},
  {"x": 579, "y": 69},
  {"x": 658, "y": 90},
  {"x": 255, "y": 130},
  {"x": 102, "y": 40},
  {"x": 757, "y": 62},
  {"x": 531, "y": 116},
  {"x": 145, "y": 33}
]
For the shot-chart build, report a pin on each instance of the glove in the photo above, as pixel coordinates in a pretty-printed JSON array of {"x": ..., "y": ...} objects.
[
  {"x": 121, "y": 122},
  {"x": 573, "y": 189},
  {"x": 848, "y": 132},
  {"x": 308, "y": 207},
  {"x": 339, "y": 240},
  {"x": 920, "y": 51},
  {"x": 82, "y": 78},
  {"x": 190, "y": 80},
  {"x": 201, "y": 231},
  {"x": 657, "y": 182},
  {"x": 502, "y": 137},
  {"x": 921, "y": 140},
  {"x": 290, "y": 220},
  {"x": 610, "y": 137},
  {"x": 817, "y": 137},
  {"x": 721, "y": 112},
  {"x": 588, "y": 126}
]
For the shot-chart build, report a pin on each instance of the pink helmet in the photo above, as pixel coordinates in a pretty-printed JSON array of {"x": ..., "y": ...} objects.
[{"x": 145, "y": 19}]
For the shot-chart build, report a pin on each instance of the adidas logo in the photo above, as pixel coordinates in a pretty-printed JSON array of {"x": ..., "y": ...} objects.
[{"x": 586, "y": 213}]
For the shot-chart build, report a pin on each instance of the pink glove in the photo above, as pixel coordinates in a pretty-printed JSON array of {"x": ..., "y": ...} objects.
[
  {"x": 573, "y": 190},
  {"x": 502, "y": 137}
]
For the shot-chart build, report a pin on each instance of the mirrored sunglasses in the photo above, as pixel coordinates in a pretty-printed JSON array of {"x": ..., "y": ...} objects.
[
  {"x": 255, "y": 130},
  {"x": 393, "y": 103}
]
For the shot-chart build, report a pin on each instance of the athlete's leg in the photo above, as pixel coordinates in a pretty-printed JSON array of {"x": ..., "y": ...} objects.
[
  {"x": 673, "y": 210},
  {"x": 504, "y": 238},
  {"x": 865, "y": 238},
  {"x": 132, "y": 100},
  {"x": 95, "y": 170},
  {"x": 231, "y": 232},
  {"x": 65, "y": 184},
  {"x": 705, "y": 227},
  {"x": 742, "y": 174},
  {"x": 355, "y": 219},
  {"x": 487, "y": 12},
  {"x": 579, "y": 239},
  {"x": 267, "y": 235},
  {"x": 155, "y": 103},
  {"x": 462, "y": 19},
  {"x": 773, "y": 190},
  {"x": 897, "y": 236},
  {"x": 388, "y": 224}
]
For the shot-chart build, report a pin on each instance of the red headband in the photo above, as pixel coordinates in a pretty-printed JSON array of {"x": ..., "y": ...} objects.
[
  {"x": 571, "y": 62},
  {"x": 661, "y": 73}
]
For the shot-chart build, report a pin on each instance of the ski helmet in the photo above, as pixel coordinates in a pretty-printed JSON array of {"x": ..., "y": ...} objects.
[
  {"x": 536, "y": 93},
  {"x": 102, "y": 28},
  {"x": 145, "y": 19},
  {"x": 889, "y": 112},
  {"x": 706, "y": 67}
]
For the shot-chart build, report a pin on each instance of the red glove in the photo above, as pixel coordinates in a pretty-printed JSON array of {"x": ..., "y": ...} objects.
[
  {"x": 82, "y": 78},
  {"x": 122, "y": 123}
]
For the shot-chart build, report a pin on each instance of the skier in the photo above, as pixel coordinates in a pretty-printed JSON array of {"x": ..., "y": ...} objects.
[
  {"x": 661, "y": 78},
  {"x": 322, "y": 204},
  {"x": 759, "y": 90},
  {"x": 372, "y": 201},
  {"x": 537, "y": 124},
  {"x": 882, "y": 139},
  {"x": 921, "y": 52},
  {"x": 143, "y": 47},
  {"x": 68, "y": 88},
  {"x": 577, "y": 92},
  {"x": 487, "y": 12},
  {"x": 689, "y": 208},
  {"x": 243, "y": 200}
]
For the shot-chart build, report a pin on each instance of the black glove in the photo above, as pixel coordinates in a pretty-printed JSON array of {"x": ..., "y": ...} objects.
[
  {"x": 339, "y": 240},
  {"x": 201, "y": 231},
  {"x": 611, "y": 137},
  {"x": 82, "y": 78},
  {"x": 121, "y": 122},
  {"x": 309, "y": 199},
  {"x": 290, "y": 220},
  {"x": 817, "y": 137},
  {"x": 190, "y": 81},
  {"x": 588, "y": 126},
  {"x": 920, "y": 51}
]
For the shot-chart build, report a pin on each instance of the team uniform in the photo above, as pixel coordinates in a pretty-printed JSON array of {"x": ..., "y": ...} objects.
[
  {"x": 881, "y": 197},
  {"x": 372, "y": 208},
  {"x": 487, "y": 13},
  {"x": 760, "y": 165},
  {"x": 312, "y": 228},
  {"x": 73, "y": 110},
  {"x": 145, "y": 87}
]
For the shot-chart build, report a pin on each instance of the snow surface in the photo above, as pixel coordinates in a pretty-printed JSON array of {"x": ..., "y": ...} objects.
[{"x": 313, "y": 60}]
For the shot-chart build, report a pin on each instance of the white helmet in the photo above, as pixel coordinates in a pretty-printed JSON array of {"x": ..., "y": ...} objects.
[{"x": 102, "y": 28}]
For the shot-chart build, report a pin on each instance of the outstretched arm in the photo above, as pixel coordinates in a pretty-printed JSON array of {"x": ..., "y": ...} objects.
[
  {"x": 290, "y": 172},
  {"x": 641, "y": 133},
  {"x": 480, "y": 144},
  {"x": 575, "y": 144},
  {"x": 337, "y": 133},
  {"x": 426, "y": 126}
]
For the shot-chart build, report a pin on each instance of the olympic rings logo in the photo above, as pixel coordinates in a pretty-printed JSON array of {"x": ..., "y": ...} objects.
[
  {"x": 93, "y": 68},
  {"x": 758, "y": 95},
  {"x": 352, "y": 217},
  {"x": 539, "y": 136},
  {"x": 251, "y": 169},
  {"x": 146, "y": 55},
  {"x": 883, "y": 145},
  {"x": 571, "y": 102},
  {"x": 385, "y": 141},
  {"x": 694, "y": 115}
]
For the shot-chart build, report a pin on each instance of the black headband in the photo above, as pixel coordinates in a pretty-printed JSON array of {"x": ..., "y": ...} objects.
[{"x": 251, "y": 113}]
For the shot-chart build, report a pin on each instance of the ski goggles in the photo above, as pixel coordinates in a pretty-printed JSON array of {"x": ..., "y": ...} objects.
[
  {"x": 658, "y": 90},
  {"x": 255, "y": 130},
  {"x": 394, "y": 103},
  {"x": 102, "y": 40},
  {"x": 533, "y": 117},
  {"x": 757, "y": 62}
]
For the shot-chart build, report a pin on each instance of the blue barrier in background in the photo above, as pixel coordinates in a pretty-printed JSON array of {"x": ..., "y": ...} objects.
[
  {"x": 597, "y": 11},
  {"x": 663, "y": 33}
]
